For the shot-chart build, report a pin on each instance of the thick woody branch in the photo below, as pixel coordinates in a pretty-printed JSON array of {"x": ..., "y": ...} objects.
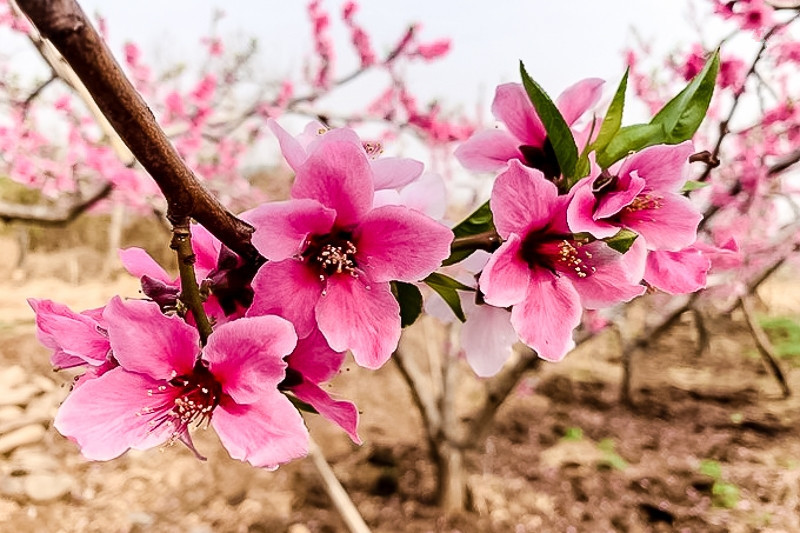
[
  {"x": 61, "y": 213},
  {"x": 64, "y": 23}
]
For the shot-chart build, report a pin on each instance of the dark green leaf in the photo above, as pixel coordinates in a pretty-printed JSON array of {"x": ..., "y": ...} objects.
[
  {"x": 480, "y": 221},
  {"x": 630, "y": 139},
  {"x": 622, "y": 241},
  {"x": 682, "y": 115},
  {"x": 692, "y": 185},
  {"x": 557, "y": 129},
  {"x": 613, "y": 118},
  {"x": 410, "y": 300},
  {"x": 445, "y": 287},
  {"x": 301, "y": 405}
]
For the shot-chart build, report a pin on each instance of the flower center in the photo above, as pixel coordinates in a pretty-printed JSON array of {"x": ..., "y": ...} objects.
[
  {"x": 558, "y": 254},
  {"x": 644, "y": 202},
  {"x": 193, "y": 398},
  {"x": 334, "y": 253},
  {"x": 542, "y": 158}
]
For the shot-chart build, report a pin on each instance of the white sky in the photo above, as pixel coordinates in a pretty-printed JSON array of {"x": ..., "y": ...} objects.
[{"x": 560, "y": 42}]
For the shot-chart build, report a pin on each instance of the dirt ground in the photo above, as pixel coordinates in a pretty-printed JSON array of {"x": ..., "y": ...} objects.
[{"x": 709, "y": 446}]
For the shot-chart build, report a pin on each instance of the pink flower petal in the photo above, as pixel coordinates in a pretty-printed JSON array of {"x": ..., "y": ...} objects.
[
  {"x": 671, "y": 226},
  {"x": 138, "y": 263},
  {"x": 314, "y": 359},
  {"x": 282, "y": 227},
  {"x": 246, "y": 355},
  {"x": 398, "y": 243},
  {"x": 512, "y": 106},
  {"x": 663, "y": 167},
  {"x": 679, "y": 272},
  {"x": 395, "y": 172},
  {"x": 288, "y": 289},
  {"x": 581, "y": 209},
  {"x": 146, "y": 341},
  {"x": 487, "y": 338},
  {"x": 108, "y": 415},
  {"x": 487, "y": 151},
  {"x": 613, "y": 202},
  {"x": 206, "y": 249},
  {"x": 427, "y": 195},
  {"x": 265, "y": 434},
  {"x": 615, "y": 281},
  {"x": 75, "y": 337},
  {"x": 292, "y": 150},
  {"x": 362, "y": 318},
  {"x": 505, "y": 278},
  {"x": 522, "y": 200},
  {"x": 337, "y": 175},
  {"x": 340, "y": 412},
  {"x": 547, "y": 316},
  {"x": 579, "y": 98}
]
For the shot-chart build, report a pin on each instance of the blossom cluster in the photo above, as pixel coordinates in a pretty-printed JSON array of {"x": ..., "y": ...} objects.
[
  {"x": 333, "y": 252},
  {"x": 557, "y": 257}
]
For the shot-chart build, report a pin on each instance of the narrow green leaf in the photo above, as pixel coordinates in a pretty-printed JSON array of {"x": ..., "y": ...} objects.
[
  {"x": 681, "y": 116},
  {"x": 622, "y": 241},
  {"x": 630, "y": 139},
  {"x": 301, "y": 405},
  {"x": 480, "y": 221},
  {"x": 613, "y": 119},
  {"x": 557, "y": 129},
  {"x": 692, "y": 185},
  {"x": 410, "y": 300},
  {"x": 446, "y": 281},
  {"x": 445, "y": 287}
]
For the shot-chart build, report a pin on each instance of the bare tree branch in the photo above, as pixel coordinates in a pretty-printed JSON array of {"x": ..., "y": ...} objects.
[
  {"x": 64, "y": 23},
  {"x": 765, "y": 348},
  {"x": 60, "y": 213}
]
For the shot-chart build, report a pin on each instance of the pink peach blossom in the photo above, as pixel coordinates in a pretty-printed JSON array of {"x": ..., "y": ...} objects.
[
  {"x": 544, "y": 271},
  {"x": 332, "y": 255},
  {"x": 641, "y": 195},
  {"x": 165, "y": 383},
  {"x": 526, "y": 139}
]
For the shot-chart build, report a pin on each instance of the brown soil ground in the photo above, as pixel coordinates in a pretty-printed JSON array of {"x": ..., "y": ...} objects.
[{"x": 710, "y": 445}]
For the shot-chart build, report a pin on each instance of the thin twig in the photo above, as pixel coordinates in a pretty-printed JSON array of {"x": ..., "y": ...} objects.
[
  {"x": 59, "y": 214},
  {"x": 64, "y": 23},
  {"x": 341, "y": 500},
  {"x": 765, "y": 348},
  {"x": 190, "y": 292}
]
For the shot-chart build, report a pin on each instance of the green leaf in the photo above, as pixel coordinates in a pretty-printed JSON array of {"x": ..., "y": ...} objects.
[
  {"x": 681, "y": 116},
  {"x": 613, "y": 118},
  {"x": 557, "y": 129},
  {"x": 447, "y": 287},
  {"x": 710, "y": 468},
  {"x": 622, "y": 241},
  {"x": 480, "y": 221},
  {"x": 301, "y": 405},
  {"x": 573, "y": 434},
  {"x": 410, "y": 300},
  {"x": 692, "y": 185},
  {"x": 724, "y": 494},
  {"x": 630, "y": 139}
]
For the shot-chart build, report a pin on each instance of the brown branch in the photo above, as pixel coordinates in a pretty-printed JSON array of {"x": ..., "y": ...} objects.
[
  {"x": 723, "y": 126},
  {"x": 421, "y": 395},
  {"x": 497, "y": 390},
  {"x": 765, "y": 348},
  {"x": 59, "y": 214},
  {"x": 489, "y": 241},
  {"x": 784, "y": 163},
  {"x": 64, "y": 23}
]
